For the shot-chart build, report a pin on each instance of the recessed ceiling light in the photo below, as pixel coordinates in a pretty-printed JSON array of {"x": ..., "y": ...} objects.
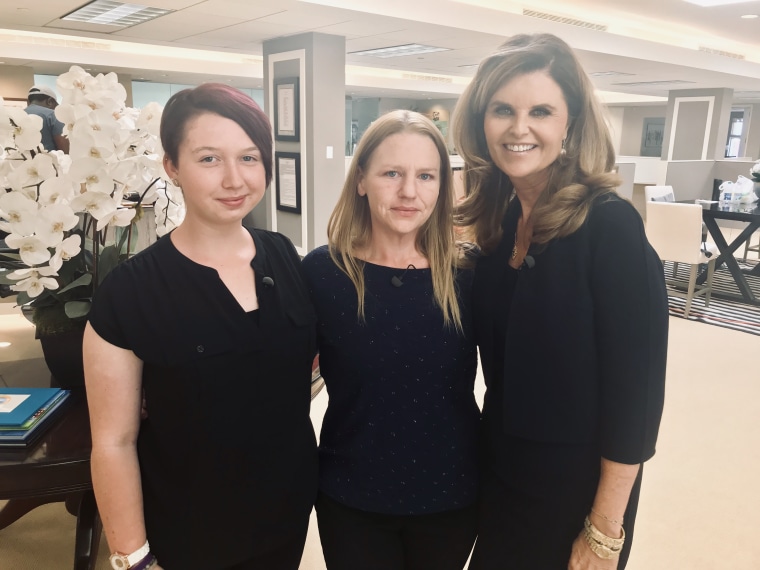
[
  {"x": 398, "y": 51},
  {"x": 4, "y": 344},
  {"x": 111, "y": 13},
  {"x": 709, "y": 3},
  {"x": 749, "y": 16}
]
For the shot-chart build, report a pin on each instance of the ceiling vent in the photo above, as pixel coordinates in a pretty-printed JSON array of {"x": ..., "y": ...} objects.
[
  {"x": 564, "y": 20},
  {"x": 114, "y": 13},
  {"x": 721, "y": 52}
]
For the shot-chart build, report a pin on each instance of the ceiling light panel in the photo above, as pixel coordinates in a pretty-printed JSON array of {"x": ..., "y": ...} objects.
[
  {"x": 398, "y": 51},
  {"x": 111, "y": 13}
]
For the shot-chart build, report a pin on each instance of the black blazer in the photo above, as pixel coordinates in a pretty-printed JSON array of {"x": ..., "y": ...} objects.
[{"x": 586, "y": 337}]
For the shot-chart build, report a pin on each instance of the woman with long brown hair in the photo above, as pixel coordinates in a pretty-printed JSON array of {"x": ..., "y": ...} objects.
[{"x": 570, "y": 315}]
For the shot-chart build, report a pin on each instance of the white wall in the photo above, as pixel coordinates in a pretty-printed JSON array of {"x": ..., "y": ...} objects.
[
  {"x": 615, "y": 123},
  {"x": 633, "y": 124}
]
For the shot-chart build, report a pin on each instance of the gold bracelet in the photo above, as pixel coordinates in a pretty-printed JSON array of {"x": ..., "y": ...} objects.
[
  {"x": 599, "y": 536},
  {"x": 600, "y": 550},
  {"x": 613, "y": 521},
  {"x": 600, "y": 544}
]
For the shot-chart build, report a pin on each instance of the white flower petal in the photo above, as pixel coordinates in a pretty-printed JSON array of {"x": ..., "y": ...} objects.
[{"x": 31, "y": 249}]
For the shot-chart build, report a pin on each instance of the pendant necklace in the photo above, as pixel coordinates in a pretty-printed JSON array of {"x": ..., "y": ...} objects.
[{"x": 514, "y": 248}]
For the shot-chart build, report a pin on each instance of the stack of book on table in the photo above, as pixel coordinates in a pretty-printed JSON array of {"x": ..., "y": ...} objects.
[{"x": 25, "y": 413}]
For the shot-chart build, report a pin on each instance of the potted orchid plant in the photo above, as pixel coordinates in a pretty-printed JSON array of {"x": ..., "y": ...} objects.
[{"x": 69, "y": 219}]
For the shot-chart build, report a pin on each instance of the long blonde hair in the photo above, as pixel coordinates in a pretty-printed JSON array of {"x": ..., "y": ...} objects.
[
  {"x": 350, "y": 226},
  {"x": 575, "y": 179}
]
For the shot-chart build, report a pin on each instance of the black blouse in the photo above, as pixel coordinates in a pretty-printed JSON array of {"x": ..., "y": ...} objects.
[
  {"x": 400, "y": 432},
  {"x": 227, "y": 454}
]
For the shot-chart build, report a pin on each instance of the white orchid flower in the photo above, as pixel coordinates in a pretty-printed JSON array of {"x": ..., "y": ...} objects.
[
  {"x": 20, "y": 212},
  {"x": 57, "y": 190},
  {"x": 34, "y": 280},
  {"x": 93, "y": 172},
  {"x": 136, "y": 174},
  {"x": 27, "y": 133},
  {"x": 122, "y": 217},
  {"x": 169, "y": 209},
  {"x": 150, "y": 119},
  {"x": 103, "y": 208},
  {"x": 31, "y": 249},
  {"x": 6, "y": 128},
  {"x": 87, "y": 143},
  {"x": 8, "y": 165},
  {"x": 33, "y": 172},
  {"x": 52, "y": 221},
  {"x": 98, "y": 204},
  {"x": 68, "y": 248},
  {"x": 74, "y": 84},
  {"x": 71, "y": 114}
]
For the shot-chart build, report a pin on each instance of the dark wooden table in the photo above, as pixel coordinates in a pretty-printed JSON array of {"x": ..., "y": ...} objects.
[
  {"x": 747, "y": 213},
  {"x": 56, "y": 468}
]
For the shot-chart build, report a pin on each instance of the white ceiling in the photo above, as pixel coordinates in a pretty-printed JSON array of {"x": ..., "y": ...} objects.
[{"x": 652, "y": 40}]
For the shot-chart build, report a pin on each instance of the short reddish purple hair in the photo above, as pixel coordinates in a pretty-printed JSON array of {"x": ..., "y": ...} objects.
[{"x": 225, "y": 101}]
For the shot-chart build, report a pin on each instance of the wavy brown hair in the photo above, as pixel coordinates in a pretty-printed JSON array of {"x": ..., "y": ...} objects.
[
  {"x": 350, "y": 226},
  {"x": 575, "y": 179}
]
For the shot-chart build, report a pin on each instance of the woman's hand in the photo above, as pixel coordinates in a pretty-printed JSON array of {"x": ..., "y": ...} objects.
[{"x": 582, "y": 558}]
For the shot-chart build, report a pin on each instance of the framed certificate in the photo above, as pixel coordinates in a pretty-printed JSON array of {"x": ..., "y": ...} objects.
[
  {"x": 286, "y": 109},
  {"x": 288, "y": 181}
]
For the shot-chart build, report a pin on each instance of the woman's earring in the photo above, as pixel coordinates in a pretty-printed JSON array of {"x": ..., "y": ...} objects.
[
  {"x": 176, "y": 182},
  {"x": 563, "y": 152}
]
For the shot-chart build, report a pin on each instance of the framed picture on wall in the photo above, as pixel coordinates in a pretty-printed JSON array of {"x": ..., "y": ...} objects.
[
  {"x": 286, "y": 109},
  {"x": 652, "y": 134},
  {"x": 288, "y": 181}
]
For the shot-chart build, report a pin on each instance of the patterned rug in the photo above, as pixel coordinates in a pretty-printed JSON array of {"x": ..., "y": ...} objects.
[{"x": 721, "y": 312}]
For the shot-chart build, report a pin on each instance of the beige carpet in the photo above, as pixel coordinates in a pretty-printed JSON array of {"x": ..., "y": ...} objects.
[{"x": 43, "y": 540}]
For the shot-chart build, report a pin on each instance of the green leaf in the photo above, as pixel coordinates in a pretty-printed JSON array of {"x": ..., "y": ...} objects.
[
  {"x": 122, "y": 237},
  {"x": 23, "y": 298},
  {"x": 85, "y": 279},
  {"x": 109, "y": 258},
  {"x": 77, "y": 309},
  {"x": 5, "y": 280}
]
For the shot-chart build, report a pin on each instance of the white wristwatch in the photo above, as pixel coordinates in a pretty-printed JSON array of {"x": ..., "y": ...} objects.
[{"x": 126, "y": 561}]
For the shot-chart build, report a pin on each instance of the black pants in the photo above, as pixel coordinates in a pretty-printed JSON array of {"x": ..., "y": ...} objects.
[
  {"x": 525, "y": 530},
  {"x": 358, "y": 540},
  {"x": 284, "y": 556}
]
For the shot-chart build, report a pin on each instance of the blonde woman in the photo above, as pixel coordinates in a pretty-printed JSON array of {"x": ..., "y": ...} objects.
[
  {"x": 398, "y": 477},
  {"x": 570, "y": 316}
]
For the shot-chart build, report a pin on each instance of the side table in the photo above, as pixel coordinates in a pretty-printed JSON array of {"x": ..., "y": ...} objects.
[{"x": 56, "y": 468}]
